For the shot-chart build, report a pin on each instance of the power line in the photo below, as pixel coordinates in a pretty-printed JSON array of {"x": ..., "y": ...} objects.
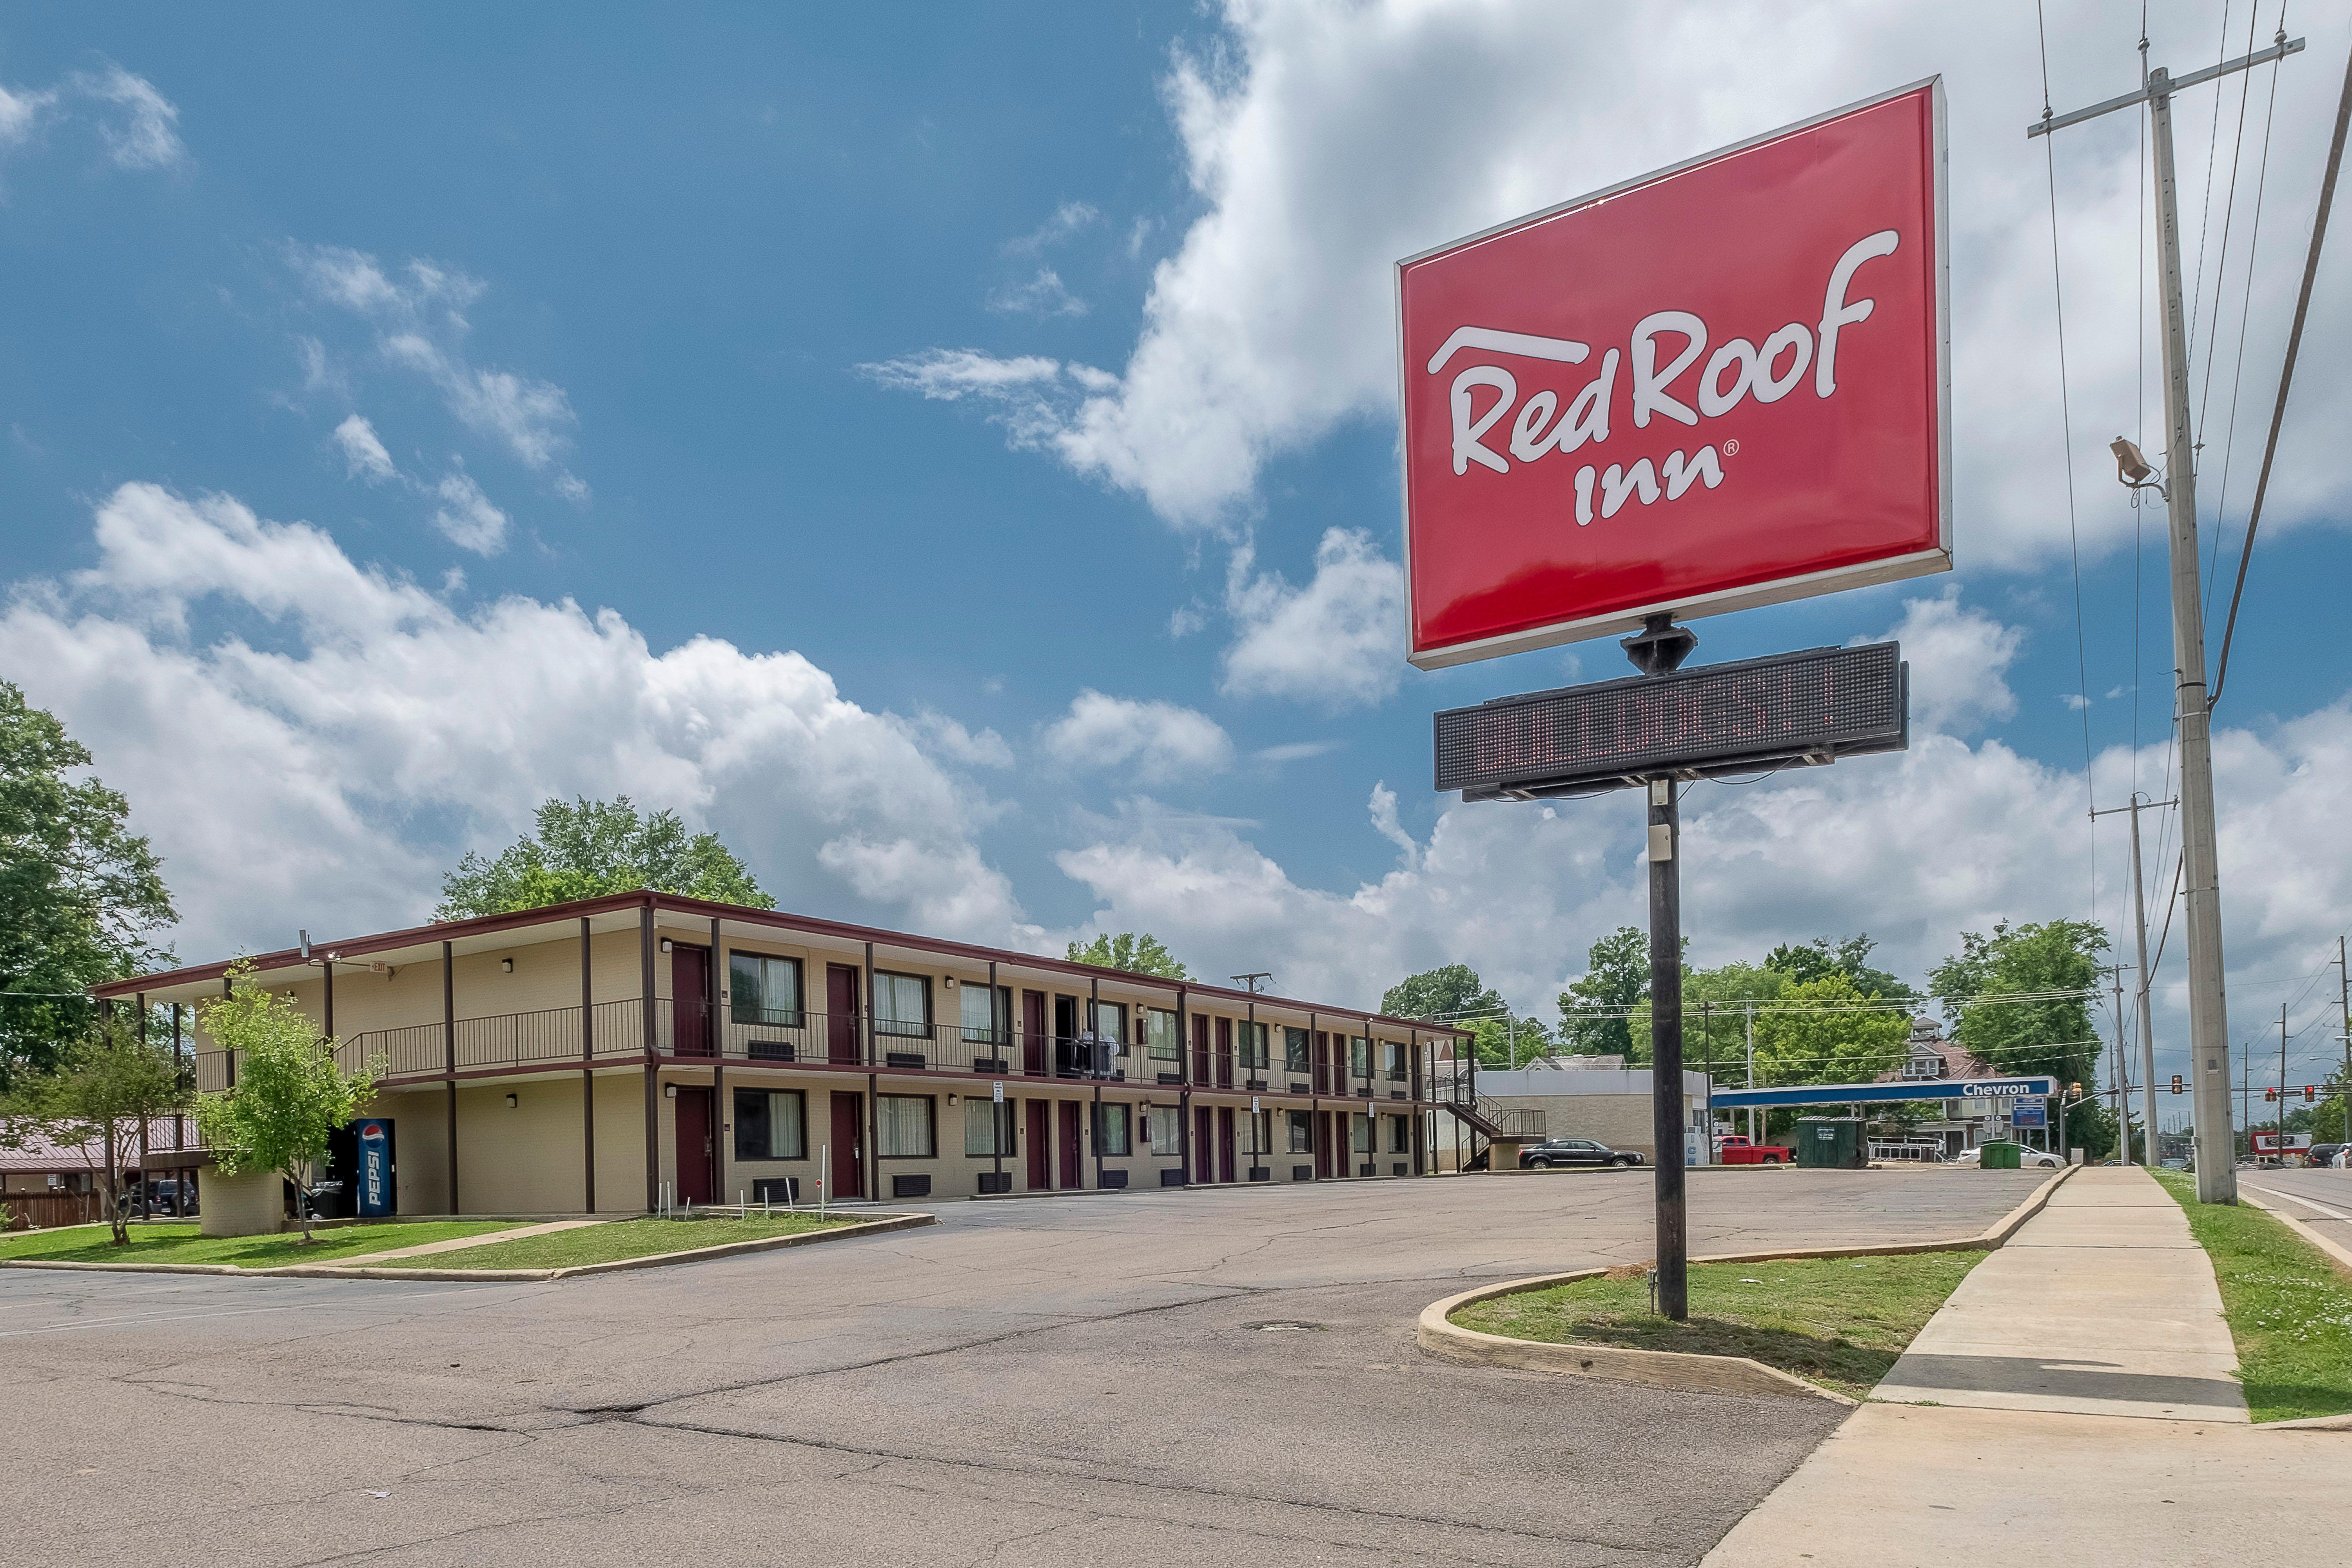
[
  {"x": 2066, "y": 434},
  {"x": 2286, "y": 371}
]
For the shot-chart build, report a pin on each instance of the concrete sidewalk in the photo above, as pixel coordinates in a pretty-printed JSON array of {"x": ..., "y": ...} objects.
[{"x": 2076, "y": 1399}]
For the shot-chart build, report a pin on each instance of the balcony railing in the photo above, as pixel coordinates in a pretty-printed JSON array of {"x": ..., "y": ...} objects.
[{"x": 553, "y": 1038}]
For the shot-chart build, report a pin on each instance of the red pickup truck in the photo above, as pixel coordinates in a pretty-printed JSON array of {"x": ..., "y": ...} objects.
[{"x": 1734, "y": 1149}]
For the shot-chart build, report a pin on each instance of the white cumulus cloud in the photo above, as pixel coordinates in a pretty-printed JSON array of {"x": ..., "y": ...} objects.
[
  {"x": 1339, "y": 641},
  {"x": 363, "y": 451},
  {"x": 1154, "y": 742},
  {"x": 467, "y": 516},
  {"x": 337, "y": 737}
]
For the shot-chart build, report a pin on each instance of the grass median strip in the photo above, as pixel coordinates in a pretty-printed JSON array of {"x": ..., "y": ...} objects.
[
  {"x": 2290, "y": 1310},
  {"x": 152, "y": 1243},
  {"x": 615, "y": 1241},
  {"x": 1838, "y": 1321}
]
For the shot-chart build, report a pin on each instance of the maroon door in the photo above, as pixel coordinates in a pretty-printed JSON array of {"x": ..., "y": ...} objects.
[
  {"x": 689, "y": 999},
  {"x": 696, "y": 1146},
  {"x": 1224, "y": 1142},
  {"x": 1032, "y": 1035},
  {"x": 841, "y": 1012},
  {"x": 1041, "y": 1143},
  {"x": 1204, "y": 1140},
  {"x": 1322, "y": 1146},
  {"x": 1225, "y": 1054},
  {"x": 1201, "y": 1050},
  {"x": 1073, "y": 1170},
  {"x": 1322, "y": 1063},
  {"x": 847, "y": 1177}
]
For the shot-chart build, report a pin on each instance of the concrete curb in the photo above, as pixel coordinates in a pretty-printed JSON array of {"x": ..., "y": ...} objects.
[
  {"x": 1439, "y": 1336},
  {"x": 2330, "y": 1250},
  {"x": 492, "y": 1276},
  {"x": 1656, "y": 1369}
]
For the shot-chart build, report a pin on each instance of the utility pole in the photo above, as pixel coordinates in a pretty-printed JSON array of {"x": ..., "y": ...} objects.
[
  {"x": 2280, "y": 1148},
  {"x": 2117, "y": 1093},
  {"x": 2209, "y": 1020},
  {"x": 2139, "y": 932},
  {"x": 2344, "y": 1008},
  {"x": 1756, "y": 1136}
]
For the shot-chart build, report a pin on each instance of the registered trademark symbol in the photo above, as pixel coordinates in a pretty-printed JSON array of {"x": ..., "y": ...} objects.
[{"x": 1731, "y": 447}]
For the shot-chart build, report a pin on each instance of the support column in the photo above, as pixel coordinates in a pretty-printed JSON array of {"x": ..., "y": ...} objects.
[
  {"x": 653, "y": 1093},
  {"x": 1314, "y": 1100},
  {"x": 449, "y": 1060},
  {"x": 872, "y": 1093},
  {"x": 140, "y": 1002},
  {"x": 587, "y": 1072},
  {"x": 1184, "y": 1080},
  {"x": 1093, "y": 1033},
  {"x": 1666, "y": 1050},
  {"x": 722, "y": 1123}
]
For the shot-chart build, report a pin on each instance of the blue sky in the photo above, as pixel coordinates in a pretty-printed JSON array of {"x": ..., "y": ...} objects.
[{"x": 988, "y": 357}]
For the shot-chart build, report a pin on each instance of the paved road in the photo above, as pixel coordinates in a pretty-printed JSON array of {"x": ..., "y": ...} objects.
[
  {"x": 2321, "y": 1199},
  {"x": 1060, "y": 1381}
]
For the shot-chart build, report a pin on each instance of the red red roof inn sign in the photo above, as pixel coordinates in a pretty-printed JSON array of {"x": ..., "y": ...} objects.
[{"x": 1720, "y": 385}]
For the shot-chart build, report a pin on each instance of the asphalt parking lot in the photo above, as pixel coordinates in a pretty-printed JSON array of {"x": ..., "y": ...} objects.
[{"x": 1059, "y": 1380}]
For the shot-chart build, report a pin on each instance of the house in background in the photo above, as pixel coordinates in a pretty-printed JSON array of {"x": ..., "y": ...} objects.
[
  {"x": 46, "y": 1184},
  {"x": 1966, "y": 1123}
]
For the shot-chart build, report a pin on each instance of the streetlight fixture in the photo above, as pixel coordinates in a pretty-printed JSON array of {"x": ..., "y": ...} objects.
[{"x": 2133, "y": 468}]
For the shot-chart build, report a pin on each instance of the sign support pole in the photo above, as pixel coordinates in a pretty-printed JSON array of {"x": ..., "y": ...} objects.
[
  {"x": 1659, "y": 649},
  {"x": 1666, "y": 1050}
]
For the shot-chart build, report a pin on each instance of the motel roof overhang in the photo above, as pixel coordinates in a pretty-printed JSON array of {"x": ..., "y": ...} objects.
[{"x": 675, "y": 916}]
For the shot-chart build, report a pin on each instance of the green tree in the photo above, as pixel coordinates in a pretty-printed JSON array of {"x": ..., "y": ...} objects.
[
  {"x": 2054, "y": 1034},
  {"x": 1820, "y": 956},
  {"x": 102, "y": 1089},
  {"x": 1445, "y": 993},
  {"x": 1137, "y": 954},
  {"x": 1715, "y": 1017},
  {"x": 288, "y": 1095},
  {"x": 80, "y": 895},
  {"x": 593, "y": 848},
  {"x": 1616, "y": 976},
  {"x": 1818, "y": 1032}
]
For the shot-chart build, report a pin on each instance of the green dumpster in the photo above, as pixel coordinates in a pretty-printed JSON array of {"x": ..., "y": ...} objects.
[
  {"x": 2000, "y": 1154},
  {"x": 1833, "y": 1143}
]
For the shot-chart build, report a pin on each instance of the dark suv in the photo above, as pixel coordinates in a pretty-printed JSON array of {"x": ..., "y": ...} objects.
[
  {"x": 2322, "y": 1154},
  {"x": 1574, "y": 1152}
]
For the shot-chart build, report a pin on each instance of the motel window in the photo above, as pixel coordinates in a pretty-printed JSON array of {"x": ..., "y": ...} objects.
[
  {"x": 1360, "y": 1134},
  {"x": 771, "y": 1124},
  {"x": 1160, "y": 1025},
  {"x": 1115, "y": 1129},
  {"x": 1400, "y": 1135},
  {"x": 1166, "y": 1125},
  {"x": 1359, "y": 1057},
  {"x": 1257, "y": 1133},
  {"x": 763, "y": 989},
  {"x": 902, "y": 1004},
  {"x": 1393, "y": 1054},
  {"x": 987, "y": 1126},
  {"x": 1294, "y": 1050},
  {"x": 1302, "y": 1132},
  {"x": 905, "y": 1127},
  {"x": 1110, "y": 1021},
  {"x": 1252, "y": 1045},
  {"x": 983, "y": 1023}
]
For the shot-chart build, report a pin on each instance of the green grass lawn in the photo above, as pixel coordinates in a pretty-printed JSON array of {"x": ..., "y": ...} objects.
[
  {"x": 1838, "y": 1321},
  {"x": 617, "y": 1239},
  {"x": 2290, "y": 1309},
  {"x": 152, "y": 1243}
]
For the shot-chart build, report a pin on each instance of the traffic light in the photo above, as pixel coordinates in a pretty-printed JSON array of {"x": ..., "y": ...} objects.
[
  {"x": 2176, "y": 1083},
  {"x": 2310, "y": 1093},
  {"x": 2269, "y": 1095}
]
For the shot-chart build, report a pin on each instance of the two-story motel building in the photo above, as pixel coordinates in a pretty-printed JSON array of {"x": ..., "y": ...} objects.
[{"x": 610, "y": 1054}]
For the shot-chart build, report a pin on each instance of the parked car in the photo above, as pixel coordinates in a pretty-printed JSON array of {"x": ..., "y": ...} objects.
[
  {"x": 1573, "y": 1151},
  {"x": 2028, "y": 1159},
  {"x": 1734, "y": 1149}
]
